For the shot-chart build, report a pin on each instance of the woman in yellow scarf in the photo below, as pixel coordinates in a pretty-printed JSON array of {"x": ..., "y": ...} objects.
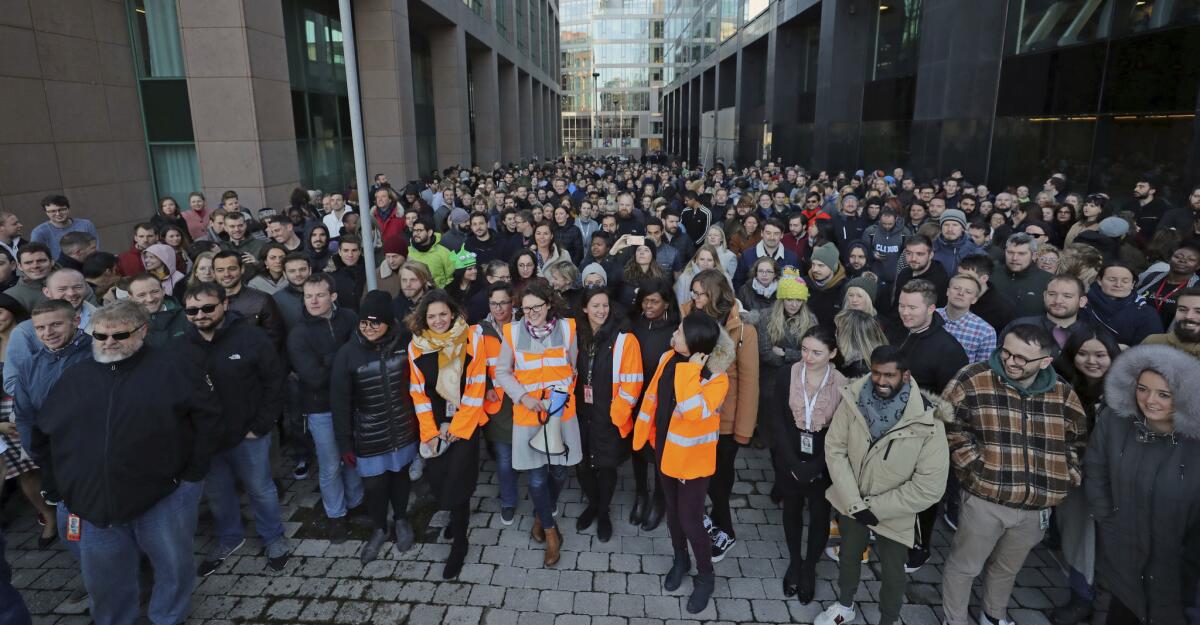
[{"x": 447, "y": 384}]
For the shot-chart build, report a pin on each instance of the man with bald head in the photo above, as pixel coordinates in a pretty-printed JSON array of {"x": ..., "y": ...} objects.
[{"x": 63, "y": 284}]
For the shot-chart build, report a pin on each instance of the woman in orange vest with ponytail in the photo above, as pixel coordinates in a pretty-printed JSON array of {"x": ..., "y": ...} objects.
[
  {"x": 680, "y": 418},
  {"x": 447, "y": 381},
  {"x": 610, "y": 381},
  {"x": 537, "y": 358}
]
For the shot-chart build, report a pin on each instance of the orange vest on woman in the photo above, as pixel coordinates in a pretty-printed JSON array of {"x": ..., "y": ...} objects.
[
  {"x": 539, "y": 373},
  {"x": 470, "y": 414},
  {"x": 627, "y": 381},
  {"x": 690, "y": 450}
]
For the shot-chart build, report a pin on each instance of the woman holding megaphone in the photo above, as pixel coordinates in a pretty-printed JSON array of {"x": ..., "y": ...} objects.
[
  {"x": 537, "y": 367},
  {"x": 447, "y": 384}
]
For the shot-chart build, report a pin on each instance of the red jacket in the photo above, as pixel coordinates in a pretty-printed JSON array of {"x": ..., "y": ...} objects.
[
  {"x": 129, "y": 262},
  {"x": 393, "y": 228}
]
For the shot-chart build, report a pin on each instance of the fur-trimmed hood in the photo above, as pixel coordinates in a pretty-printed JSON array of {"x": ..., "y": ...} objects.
[
  {"x": 723, "y": 354},
  {"x": 1120, "y": 386}
]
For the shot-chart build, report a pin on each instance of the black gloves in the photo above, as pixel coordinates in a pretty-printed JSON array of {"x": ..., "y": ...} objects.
[{"x": 866, "y": 517}]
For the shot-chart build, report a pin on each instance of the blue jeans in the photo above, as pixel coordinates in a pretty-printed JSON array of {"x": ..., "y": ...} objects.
[
  {"x": 249, "y": 463},
  {"x": 110, "y": 558},
  {"x": 12, "y": 606},
  {"x": 502, "y": 452},
  {"x": 545, "y": 482},
  {"x": 338, "y": 484}
]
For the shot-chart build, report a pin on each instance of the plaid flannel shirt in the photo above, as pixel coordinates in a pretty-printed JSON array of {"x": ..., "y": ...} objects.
[
  {"x": 1016, "y": 450},
  {"x": 976, "y": 336}
]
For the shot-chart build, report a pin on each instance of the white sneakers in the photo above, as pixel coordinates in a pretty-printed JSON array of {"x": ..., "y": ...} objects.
[
  {"x": 836, "y": 614},
  {"x": 984, "y": 620}
]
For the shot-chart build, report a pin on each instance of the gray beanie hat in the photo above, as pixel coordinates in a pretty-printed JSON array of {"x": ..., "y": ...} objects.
[{"x": 594, "y": 268}]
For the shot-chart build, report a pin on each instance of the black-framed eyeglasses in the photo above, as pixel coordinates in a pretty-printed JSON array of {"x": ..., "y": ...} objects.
[
  {"x": 533, "y": 309},
  {"x": 370, "y": 323},
  {"x": 1036, "y": 235},
  {"x": 503, "y": 304},
  {"x": 120, "y": 336},
  {"x": 696, "y": 294},
  {"x": 192, "y": 311},
  {"x": 1018, "y": 359}
]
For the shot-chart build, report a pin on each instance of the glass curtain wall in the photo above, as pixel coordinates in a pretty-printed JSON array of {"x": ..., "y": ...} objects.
[
  {"x": 1103, "y": 90},
  {"x": 162, "y": 88},
  {"x": 320, "y": 107}
]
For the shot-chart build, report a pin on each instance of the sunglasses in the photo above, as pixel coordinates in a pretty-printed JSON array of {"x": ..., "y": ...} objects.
[
  {"x": 120, "y": 336},
  {"x": 192, "y": 311}
]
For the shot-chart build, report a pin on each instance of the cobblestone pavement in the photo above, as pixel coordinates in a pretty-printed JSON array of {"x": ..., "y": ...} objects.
[{"x": 504, "y": 582}]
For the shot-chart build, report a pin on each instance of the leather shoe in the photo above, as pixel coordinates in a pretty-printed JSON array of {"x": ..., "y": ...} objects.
[
  {"x": 808, "y": 583},
  {"x": 553, "y": 545},
  {"x": 640, "y": 506},
  {"x": 585, "y": 519},
  {"x": 536, "y": 532},
  {"x": 654, "y": 516},
  {"x": 604, "y": 528},
  {"x": 790, "y": 582}
]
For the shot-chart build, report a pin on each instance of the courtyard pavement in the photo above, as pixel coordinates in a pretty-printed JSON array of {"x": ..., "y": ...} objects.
[{"x": 504, "y": 582}]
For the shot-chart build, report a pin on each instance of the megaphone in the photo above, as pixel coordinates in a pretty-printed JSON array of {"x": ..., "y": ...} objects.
[{"x": 548, "y": 438}]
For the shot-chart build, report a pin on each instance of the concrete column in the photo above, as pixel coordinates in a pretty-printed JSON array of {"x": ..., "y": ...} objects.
[
  {"x": 241, "y": 102},
  {"x": 552, "y": 122},
  {"x": 539, "y": 118},
  {"x": 485, "y": 72},
  {"x": 526, "y": 116},
  {"x": 385, "y": 80},
  {"x": 845, "y": 50},
  {"x": 510, "y": 114},
  {"x": 452, "y": 120}
]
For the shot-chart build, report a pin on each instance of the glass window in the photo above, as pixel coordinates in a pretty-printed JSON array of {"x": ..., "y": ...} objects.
[
  {"x": 1045, "y": 24},
  {"x": 1025, "y": 148},
  {"x": 502, "y": 13},
  {"x": 166, "y": 109},
  {"x": 1145, "y": 15},
  {"x": 176, "y": 170},
  {"x": 897, "y": 29},
  {"x": 1156, "y": 72},
  {"x": 754, "y": 7},
  {"x": 156, "y": 34},
  {"x": 1127, "y": 146}
]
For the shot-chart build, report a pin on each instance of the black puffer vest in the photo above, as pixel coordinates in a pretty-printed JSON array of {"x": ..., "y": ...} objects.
[{"x": 384, "y": 418}]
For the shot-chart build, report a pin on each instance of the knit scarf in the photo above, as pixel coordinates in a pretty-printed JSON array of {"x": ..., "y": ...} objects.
[
  {"x": 540, "y": 332},
  {"x": 765, "y": 291},
  {"x": 882, "y": 414},
  {"x": 423, "y": 247},
  {"x": 450, "y": 346}
]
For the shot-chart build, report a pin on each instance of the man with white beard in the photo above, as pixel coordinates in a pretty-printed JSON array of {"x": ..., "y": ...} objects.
[{"x": 130, "y": 469}]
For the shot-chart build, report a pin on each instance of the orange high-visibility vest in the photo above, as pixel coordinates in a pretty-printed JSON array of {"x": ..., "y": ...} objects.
[
  {"x": 490, "y": 347},
  {"x": 470, "y": 414},
  {"x": 626, "y": 381},
  {"x": 539, "y": 373},
  {"x": 690, "y": 450}
]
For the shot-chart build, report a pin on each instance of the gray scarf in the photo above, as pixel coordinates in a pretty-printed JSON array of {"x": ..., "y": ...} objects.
[{"x": 881, "y": 414}]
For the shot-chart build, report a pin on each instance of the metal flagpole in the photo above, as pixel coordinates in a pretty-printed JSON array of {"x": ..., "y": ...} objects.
[{"x": 366, "y": 223}]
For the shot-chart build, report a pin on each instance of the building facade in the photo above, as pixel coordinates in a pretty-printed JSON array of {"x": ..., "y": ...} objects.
[
  {"x": 613, "y": 63},
  {"x": 1106, "y": 91},
  {"x": 115, "y": 103}
]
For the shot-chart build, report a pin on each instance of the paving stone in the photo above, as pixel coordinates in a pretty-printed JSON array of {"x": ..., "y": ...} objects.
[
  {"x": 500, "y": 617},
  {"x": 542, "y": 579},
  {"x": 350, "y": 588},
  {"x": 426, "y": 615},
  {"x": 521, "y": 599},
  {"x": 609, "y": 582},
  {"x": 591, "y": 603},
  {"x": 642, "y": 584},
  {"x": 486, "y": 596},
  {"x": 319, "y": 611},
  {"x": 572, "y": 619},
  {"x": 627, "y": 605},
  {"x": 354, "y": 612},
  {"x": 577, "y": 581},
  {"x": 591, "y": 561},
  {"x": 390, "y": 613},
  {"x": 463, "y": 615},
  {"x": 662, "y": 607},
  {"x": 737, "y": 610},
  {"x": 383, "y": 590},
  {"x": 770, "y": 611}
]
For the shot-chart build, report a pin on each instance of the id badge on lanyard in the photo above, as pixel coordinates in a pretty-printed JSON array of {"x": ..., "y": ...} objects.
[
  {"x": 810, "y": 404},
  {"x": 587, "y": 393},
  {"x": 806, "y": 443}
]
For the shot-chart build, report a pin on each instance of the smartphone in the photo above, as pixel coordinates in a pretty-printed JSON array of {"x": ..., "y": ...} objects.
[{"x": 636, "y": 240}]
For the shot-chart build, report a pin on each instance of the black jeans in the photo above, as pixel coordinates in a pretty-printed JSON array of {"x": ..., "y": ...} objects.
[
  {"x": 685, "y": 518},
  {"x": 720, "y": 486},
  {"x": 793, "y": 526},
  {"x": 389, "y": 488}
]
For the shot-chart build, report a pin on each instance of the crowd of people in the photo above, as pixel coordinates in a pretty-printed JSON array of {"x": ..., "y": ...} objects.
[{"x": 1012, "y": 364}]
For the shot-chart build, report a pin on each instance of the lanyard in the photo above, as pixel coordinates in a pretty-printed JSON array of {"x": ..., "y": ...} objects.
[
  {"x": 1160, "y": 299},
  {"x": 811, "y": 404}
]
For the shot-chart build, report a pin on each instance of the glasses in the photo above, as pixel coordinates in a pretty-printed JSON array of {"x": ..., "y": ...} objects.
[
  {"x": 120, "y": 336},
  {"x": 533, "y": 309},
  {"x": 1018, "y": 359},
  {"x": 766, "y": 272},
  {"x": 1036, "y": 235},
  {"x": 503, "y": 304},
  {"x": 698, "y": 294},
  {"x": 57, "y": 210},
  {"x": 371, "y": 324},
  {"x": 192, "y": 311}
]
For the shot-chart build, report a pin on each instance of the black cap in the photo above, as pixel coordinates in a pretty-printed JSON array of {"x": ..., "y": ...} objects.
[{"x": 377, "y": 306}]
